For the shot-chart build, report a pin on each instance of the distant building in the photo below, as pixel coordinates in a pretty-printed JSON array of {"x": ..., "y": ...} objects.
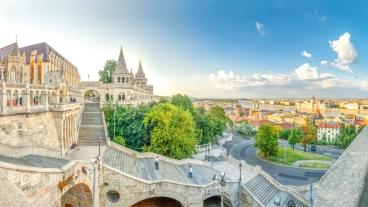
[{"x": 328, "y": 131}]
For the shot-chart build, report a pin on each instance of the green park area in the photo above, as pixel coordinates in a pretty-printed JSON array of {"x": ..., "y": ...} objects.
[{"x": 288, "y": 156}]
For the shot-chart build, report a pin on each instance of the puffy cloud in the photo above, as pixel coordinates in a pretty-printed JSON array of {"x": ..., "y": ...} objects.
[
  {"x": 260, "y": 28},
  {"x": 345, "y": 53},
  {"x": 306, "y": 54},
  {"x": 307, "y": 72},
  {"x": 227, "y": 80}
]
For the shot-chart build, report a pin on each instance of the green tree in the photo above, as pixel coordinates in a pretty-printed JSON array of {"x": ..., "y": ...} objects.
[
  {"x": 119, "y": 140},
  {"x": 284, "y": 134},
  {"x": 182, "y": 101},
  {"x": 294, "y": 137},
  {"x": 346, "y": 136},
  {"x": 266, "y": 140},
  {"x": 218, "y": 120},
  {"x": 128, "y": 124},
  {"x": 308, "y": 134},
  {"x": 106, "y": 73},
  {"x": 173, "y": 131}
]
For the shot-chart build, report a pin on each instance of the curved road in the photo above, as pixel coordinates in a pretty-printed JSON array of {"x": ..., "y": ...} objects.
[{"x": 242, "y": 149}]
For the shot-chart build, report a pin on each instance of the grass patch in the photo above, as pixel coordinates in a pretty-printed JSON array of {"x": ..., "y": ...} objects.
[
  {"x": 316, "y": 165},
  {"x": 295, "y": 155}
]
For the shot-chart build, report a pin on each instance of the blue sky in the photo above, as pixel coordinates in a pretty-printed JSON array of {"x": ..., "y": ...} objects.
[{"x": 208, "y": 48}]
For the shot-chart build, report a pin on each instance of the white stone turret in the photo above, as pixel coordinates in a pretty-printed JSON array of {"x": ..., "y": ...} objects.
[{"x": 121, "y": 73}]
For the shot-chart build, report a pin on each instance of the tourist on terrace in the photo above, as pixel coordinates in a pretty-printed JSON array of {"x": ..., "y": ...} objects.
[
  {"x": 156, "y": 163},
  {"x": 190, "y": 175}
]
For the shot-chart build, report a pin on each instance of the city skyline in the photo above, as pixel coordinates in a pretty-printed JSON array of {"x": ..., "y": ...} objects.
[{"x": 210, "y": 48}]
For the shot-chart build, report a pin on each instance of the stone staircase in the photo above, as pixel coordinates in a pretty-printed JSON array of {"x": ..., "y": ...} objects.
[
  {"x": 265, "y": 192},
  {"x": 91, "y": 127},
  {"x": 143, "y": 168}
]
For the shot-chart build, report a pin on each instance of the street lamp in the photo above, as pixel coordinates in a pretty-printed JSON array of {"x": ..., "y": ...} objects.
[
  {"x": 240, "y": 180},
  {"x": 95, "y": 161},
  {"x": 114, "y": 120},
  {"x": 222, "y": 183}
]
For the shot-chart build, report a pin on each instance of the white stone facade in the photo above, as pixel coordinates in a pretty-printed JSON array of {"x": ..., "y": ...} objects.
[{"x": 328, "y": 131}]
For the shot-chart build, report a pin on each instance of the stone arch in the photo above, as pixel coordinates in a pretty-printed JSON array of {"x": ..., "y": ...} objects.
[
  {"x": 146, "y": 197},
  {"x": 91, "y": 95},
  {"x": 15, "y": 99},
  {"x": 80, "y": 195},
  {"x": 160, "y": 201},
  {"x": 63, "y": 97},
  {"x": 13, "y": 74},
  {"x": 215, "y": 200},
  {"x": 121, "y": 97}
]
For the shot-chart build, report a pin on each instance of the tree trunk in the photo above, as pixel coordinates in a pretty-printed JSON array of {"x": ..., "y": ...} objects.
[
  {"x": 293, "y": 146},
  {"x": 305, "y": 148}
]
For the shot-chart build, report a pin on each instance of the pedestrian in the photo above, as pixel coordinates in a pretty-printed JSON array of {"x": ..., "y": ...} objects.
[
  {"x": 190, "y": 175},
  {"x": 156, "y": 163}
]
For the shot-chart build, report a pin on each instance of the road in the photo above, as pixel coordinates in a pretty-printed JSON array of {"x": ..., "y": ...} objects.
[{"x": 243, "y": 149}]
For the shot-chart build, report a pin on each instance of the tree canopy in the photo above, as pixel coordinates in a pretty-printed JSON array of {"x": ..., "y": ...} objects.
[
  {"x": 267, "y": 140},
  {"x": 106, "y": 72},
  {"x": 173, "y": 132},
  {"x": 294, "y": 136},
  {"x": 159, "y": 127},
  {"x": 308, "y": 134}
]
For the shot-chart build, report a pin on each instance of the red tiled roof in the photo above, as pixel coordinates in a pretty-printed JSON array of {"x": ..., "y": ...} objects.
[{"x": 329, "y": 125}]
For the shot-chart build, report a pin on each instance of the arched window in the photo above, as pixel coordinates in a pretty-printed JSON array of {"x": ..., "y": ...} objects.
[
  {"x": 123, "y": 79},
  {"x": 118, "y": 79},
  {"x": 107, "y": 97}
]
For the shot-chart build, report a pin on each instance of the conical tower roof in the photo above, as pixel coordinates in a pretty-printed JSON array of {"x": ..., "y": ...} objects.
[
  {"x": 121, "y": 65},
  {"x": 140, "y": 74}
]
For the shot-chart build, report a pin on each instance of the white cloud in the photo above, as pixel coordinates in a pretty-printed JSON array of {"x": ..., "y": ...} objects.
[
  {"x": 346, "y": 55},
  {"x": 260, "y": 28},
  {"x": 306, "y": 54},
  {"x": 306, "y": 72},
  {"x": 227, "y": 80}
]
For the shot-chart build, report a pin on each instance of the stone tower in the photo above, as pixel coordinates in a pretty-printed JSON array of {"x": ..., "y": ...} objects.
[
  {"x": 140, "y": 77},
  {"x": 121, "y": 73}
]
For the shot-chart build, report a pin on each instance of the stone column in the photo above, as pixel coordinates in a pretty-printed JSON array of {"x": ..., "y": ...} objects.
[
  {"x": 28, "y": 98},
  {"x": 46, "y": 99},
  {"x": 3, "y": 104},
  {"x": 62, "y": 138}
]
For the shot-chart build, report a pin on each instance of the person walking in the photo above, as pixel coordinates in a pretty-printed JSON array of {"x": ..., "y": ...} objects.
[
  {"x": 156, "y": 163},
  {"x": 190, "y": 175}
]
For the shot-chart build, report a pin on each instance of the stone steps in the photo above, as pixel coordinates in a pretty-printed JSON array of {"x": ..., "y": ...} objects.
[
  {"x": 144, "y": 168},
  {"x": 91, "y": 128}
]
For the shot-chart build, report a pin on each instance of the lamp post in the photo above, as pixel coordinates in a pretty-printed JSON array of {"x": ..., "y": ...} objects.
[
  {"x": 222, "y": 182},
  {"x": 114, "y": 120},
  {"x": 240, "y": 180}
]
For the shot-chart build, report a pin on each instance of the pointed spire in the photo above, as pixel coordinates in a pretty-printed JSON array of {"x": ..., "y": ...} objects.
[
  {"x": 121, "y": 65},
  {"x": 140, "y": 68},
  {"x": 140, "y": 73}
]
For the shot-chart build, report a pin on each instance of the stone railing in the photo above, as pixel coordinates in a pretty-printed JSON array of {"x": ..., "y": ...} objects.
[
  {"x": 64, "y": 107},
  {"x": 11, "y": 151},
  {"x": 203, "y": 147},
  {"x": 90, "y": 84},
  {"x": 343, "y": 184}
]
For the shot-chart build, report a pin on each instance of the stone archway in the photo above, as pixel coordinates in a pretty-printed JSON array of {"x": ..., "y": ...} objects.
[
  {"x": 215, "y": 201},
  {"x": 79, "y": 195},
  {"x": 158, "y": 202},
  {"x": 91, "y": 96}
]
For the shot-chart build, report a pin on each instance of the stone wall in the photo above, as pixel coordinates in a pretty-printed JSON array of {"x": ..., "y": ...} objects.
[
  {"x": 133, "y": 190},
  {"x": 344, "y": 183},
  {"x": 42, "y": 133},
  {"x": 37, "y": 130},
  {"x": 45, "y": 187}
]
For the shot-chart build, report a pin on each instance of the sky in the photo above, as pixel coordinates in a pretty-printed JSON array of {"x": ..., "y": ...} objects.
[{"x": 208, "y": 48}]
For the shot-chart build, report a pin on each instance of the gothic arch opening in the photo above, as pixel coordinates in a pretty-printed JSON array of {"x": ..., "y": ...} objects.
[
  {"x": 215, "y": 201},
  {"x": 79, "y": 195},
  {"x": 158, "y": 202},
  {"x": 91, "y": 96}
]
